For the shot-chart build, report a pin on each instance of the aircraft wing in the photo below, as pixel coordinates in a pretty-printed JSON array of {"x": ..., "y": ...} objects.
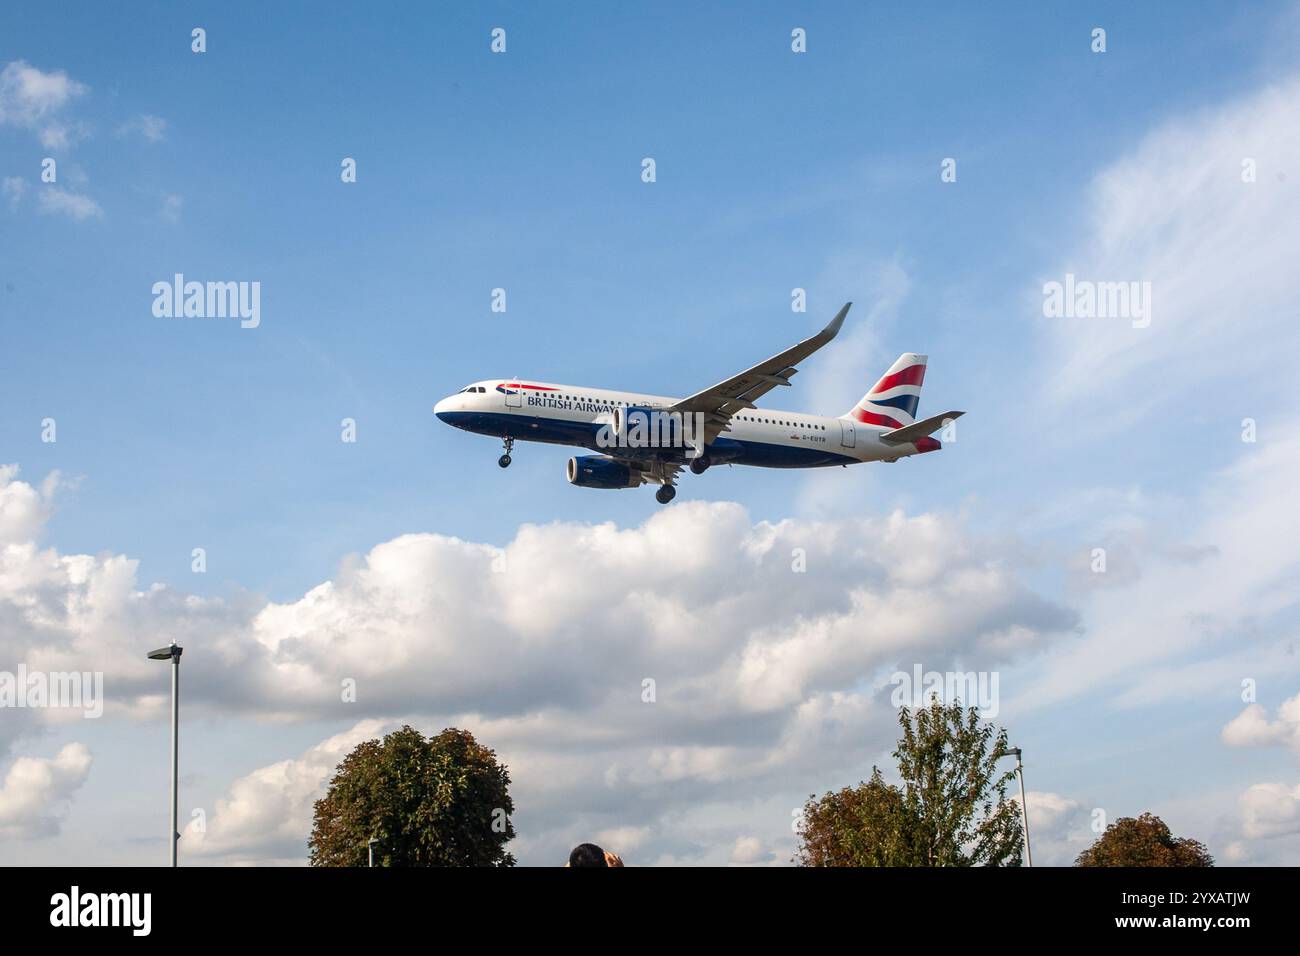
[
  {"x": 653, "y": 470},
  {"x": 739, "y": 392}
]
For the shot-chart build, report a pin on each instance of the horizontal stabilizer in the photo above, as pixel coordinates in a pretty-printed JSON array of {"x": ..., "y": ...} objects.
[{"x": 910, "y": 433}]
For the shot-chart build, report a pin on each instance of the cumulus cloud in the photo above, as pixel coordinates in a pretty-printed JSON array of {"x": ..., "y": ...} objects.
[
  {"x": 1271, "y": 810},
  {"x": 36, "y": 792},
  {"x": 762, "y": 676},
  {"x": 1059, "y": 827},
  {"x": 268, "y": 813},
  {"x": 697, "y": 598},
  {"x": 24, "y": 508},
  {"x": 1252, "y": 728},
  {"x": 32, "y": 99},
  {"x": 752, "y": 851}
]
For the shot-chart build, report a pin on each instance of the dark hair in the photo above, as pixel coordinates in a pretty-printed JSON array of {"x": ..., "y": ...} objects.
[{"x": 587, "y": 854}]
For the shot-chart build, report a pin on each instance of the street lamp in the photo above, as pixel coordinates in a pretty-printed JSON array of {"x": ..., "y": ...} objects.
[
  {"x": 370, "y": 845},
  {"x": 173, "y": 653},
  {"x": 1024, "y": 808}
]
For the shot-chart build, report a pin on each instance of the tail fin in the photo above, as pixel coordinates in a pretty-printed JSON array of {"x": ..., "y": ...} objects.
[{"x": 892, "y": 401}]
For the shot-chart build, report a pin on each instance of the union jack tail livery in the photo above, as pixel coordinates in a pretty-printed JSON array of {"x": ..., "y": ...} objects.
[{"x": 892, "y": 401}]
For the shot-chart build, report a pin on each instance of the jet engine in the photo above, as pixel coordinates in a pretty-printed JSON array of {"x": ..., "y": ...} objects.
[{"x": 596, "y": 471}]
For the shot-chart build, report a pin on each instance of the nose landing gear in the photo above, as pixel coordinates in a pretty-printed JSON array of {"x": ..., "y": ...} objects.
[
  {"x": 665, "y": 494},
  {"x": 504, "y": 460}
]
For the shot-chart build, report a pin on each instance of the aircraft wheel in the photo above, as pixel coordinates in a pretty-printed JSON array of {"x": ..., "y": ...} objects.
[
  {"x": 504, "y": 461},
  {"x": 665, "y": 494}
]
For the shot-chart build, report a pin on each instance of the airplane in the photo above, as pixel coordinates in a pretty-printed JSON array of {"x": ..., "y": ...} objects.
[{"x": 719, "y": 425}]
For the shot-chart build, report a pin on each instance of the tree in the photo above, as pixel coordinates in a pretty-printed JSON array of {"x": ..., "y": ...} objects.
[
  {"x": 858, "y": 826},
  {"x": 951, "y": 809},
  {"x": 1145, "y": 841},
  {"x": 443, "y": 801}
]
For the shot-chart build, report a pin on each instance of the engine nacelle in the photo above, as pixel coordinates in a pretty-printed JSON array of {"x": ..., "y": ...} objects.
[
  {"x": 627, "y": 416},
  {"x": 640, "y": 426},
  {"x": 594, "y": 471}
]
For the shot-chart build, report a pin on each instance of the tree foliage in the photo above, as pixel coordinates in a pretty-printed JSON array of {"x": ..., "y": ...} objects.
[
  {"x": 1144, "y": 841},
  {"x": 443, "y": 801},
  {"x": 950, "y": 809}
]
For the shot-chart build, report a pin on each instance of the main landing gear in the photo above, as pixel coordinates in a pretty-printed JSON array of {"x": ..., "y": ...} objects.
[
  {"x": 504, "y": 460},
  {"x": 665, "y": 494}
]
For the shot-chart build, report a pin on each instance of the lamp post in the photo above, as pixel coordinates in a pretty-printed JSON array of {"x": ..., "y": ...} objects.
[
  {"x": 370, "y": 845},
  {"x": 1024, "y": 808},
  {"x": 173, "y": 653}
]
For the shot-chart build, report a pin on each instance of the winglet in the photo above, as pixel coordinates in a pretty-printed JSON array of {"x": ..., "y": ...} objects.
[{"x": 833, "y": 329}]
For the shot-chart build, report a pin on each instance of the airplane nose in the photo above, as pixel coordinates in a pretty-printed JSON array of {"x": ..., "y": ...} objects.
[{"x": 442, "y": 408}]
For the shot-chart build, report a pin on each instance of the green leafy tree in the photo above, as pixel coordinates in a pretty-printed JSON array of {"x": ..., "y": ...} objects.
[
  {"x": 443, "y": 801},
  {"x": 951, "y": 808},
  {"x": 1145, "y": 841}
]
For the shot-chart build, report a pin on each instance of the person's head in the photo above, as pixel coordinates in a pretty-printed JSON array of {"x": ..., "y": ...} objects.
[{"x": 587, "y": 854}]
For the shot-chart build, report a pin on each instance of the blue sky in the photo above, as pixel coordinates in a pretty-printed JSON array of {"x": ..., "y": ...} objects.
[{"x": 774, "y": 171}]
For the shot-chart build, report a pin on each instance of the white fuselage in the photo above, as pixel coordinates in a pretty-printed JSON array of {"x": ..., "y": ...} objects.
[{"x": 574, "y": 414}]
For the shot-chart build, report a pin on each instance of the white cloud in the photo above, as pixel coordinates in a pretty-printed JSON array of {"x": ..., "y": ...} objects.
[
  {"x": 1059, "y": 827},
  {"x": 697, "y": 598},
  {"x": 765, "y": 678},
  {"x": 1237, "y": 853},
  {"x": 24, "y": 509},
  {"x": 751, "y": 851},
  {"x": 1217, "y": 250},
  {"x": 28, "y": 95},
  {"x": 1200, "y": 583},
  {"x": 36, "y": 792},
  {"x": 1252, "y": 728},
  {"x": 1270, "y": 810},
  {"x": 65, "y": 203},
  {"x": 32, "y": 99},
  {"x": 268, "y": 813},
  {"x": 1180, "y": 628},
  {"x": 62, "y": 135}
]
